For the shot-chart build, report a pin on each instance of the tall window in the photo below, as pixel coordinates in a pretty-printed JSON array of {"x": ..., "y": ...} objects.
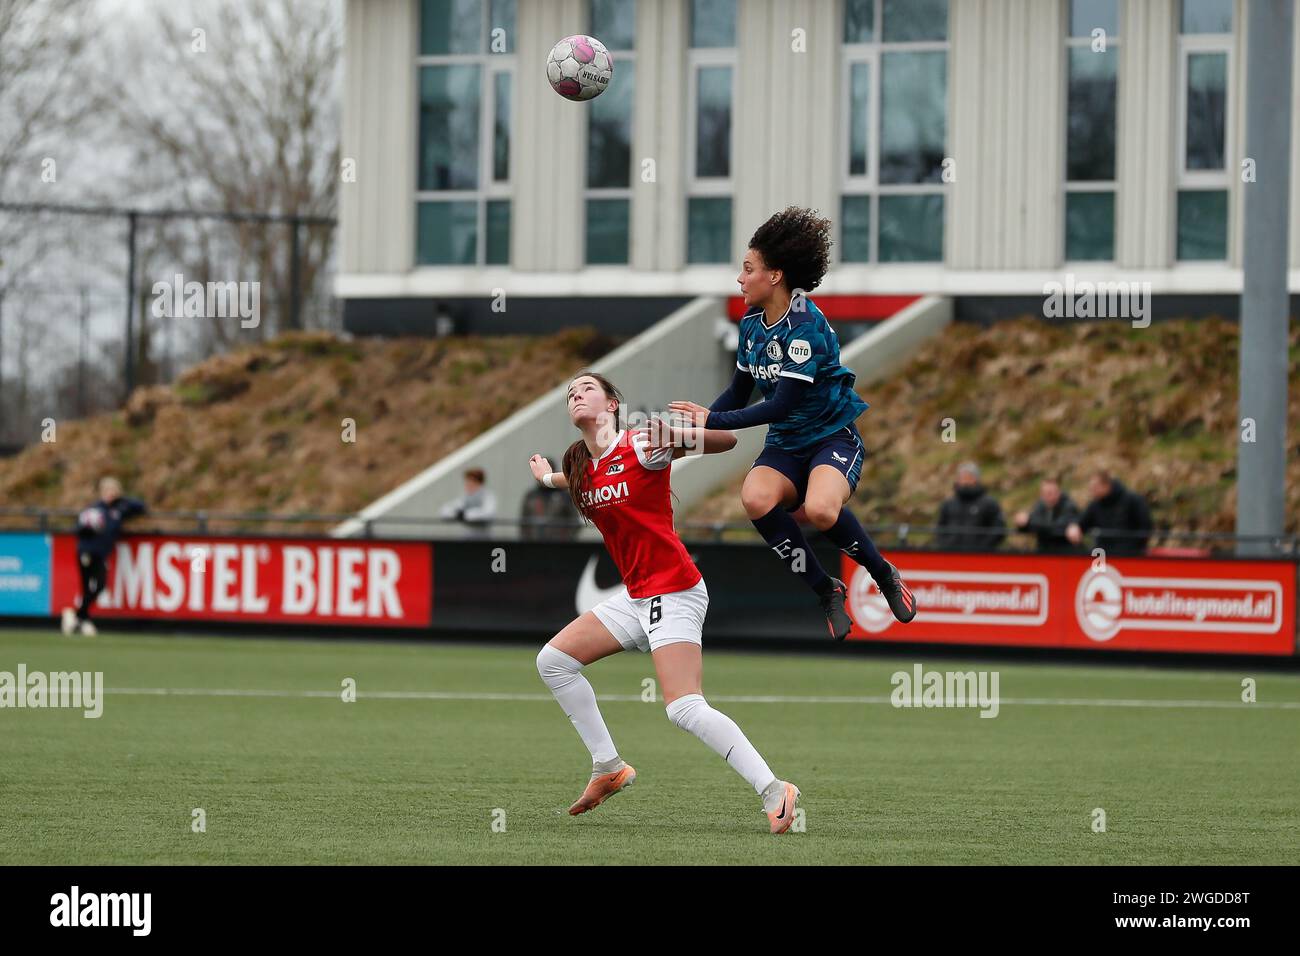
[
  {"x": 609, "y": 137},
  {"x": 712, "y": 62},
  {"x": 1092, "y": 59},
  {"x": 896, "y": 77},
  {"x": 466, "y": 71},
  {"x": 1204, "y": 68}
]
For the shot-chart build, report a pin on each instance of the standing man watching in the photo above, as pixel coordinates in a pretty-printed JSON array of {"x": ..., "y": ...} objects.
[{"x": 98, "y": 528}]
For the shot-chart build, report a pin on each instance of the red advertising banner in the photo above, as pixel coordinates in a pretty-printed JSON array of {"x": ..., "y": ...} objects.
[
  {"x": 1132, "y": 604},
  {"x": 199, "y": 578}
]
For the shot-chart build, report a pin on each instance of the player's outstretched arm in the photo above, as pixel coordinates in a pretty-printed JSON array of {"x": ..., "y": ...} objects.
[
  {"x": 788, "y": 394},
  {"x": 708, "y": 441},
  {"x": 659, "y": 435},
  {"x": 541, "y": 469},
  {"x": 736, "y": 395}
]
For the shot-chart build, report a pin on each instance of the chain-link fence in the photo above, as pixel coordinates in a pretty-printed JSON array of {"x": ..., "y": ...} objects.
[{"x": 95, "y": 301}]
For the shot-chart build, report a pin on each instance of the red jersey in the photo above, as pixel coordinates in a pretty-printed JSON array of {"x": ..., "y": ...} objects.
[{"x": 631, "y": 501}]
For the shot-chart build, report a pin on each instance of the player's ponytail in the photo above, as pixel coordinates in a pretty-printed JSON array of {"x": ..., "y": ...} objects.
[
  {"x": 577, "y": 472},
  {"x": 577, "y": 459}
]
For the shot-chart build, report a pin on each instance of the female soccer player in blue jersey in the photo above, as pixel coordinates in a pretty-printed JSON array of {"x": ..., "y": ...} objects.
[{"x": 813, "y": 454}]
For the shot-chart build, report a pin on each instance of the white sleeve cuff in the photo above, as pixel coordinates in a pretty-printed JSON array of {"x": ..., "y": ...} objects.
[{"x": 655, "y": 459}]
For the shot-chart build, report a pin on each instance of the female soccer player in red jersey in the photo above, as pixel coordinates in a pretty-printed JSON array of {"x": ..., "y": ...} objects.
[{"x": 620, "y": 481}]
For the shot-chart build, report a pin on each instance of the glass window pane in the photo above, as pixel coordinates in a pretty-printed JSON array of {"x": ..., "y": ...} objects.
[
  {"x": 607, "y": 231},
  {"x": 609, "y": 140},
  {"x": 502, "y": 17},
  {"x": 713, "y": 122},
  {"x": 498, "y": 232},
  {"x": 449, "y": 102},
  {"x": 501, "y": 128},
  {"x": 709, "y": 229},
  {"x": 447, "y": 233},
  {"x": 1090, "y": 227},
  {"x": 613, "y": 22},
  {"x": 913, "y": 120},
  {"x": 859, "y": 21},
  {"x": 859, "y": 118},
  {"x": 914, "y": 20},
  {"x": 911, "y": 228},
  {"x": 1207, "y": 16},
  {"x": 451, "y": 26},
  {"x": 855, "y": 229},
  {"x": 1207, "y": 98},
  {"x": 713, "y": 23},
  {"x": 1088, "y": 15},
  {"x": 1090, "y": 139},
  {"x": 1203, "y": 224}
]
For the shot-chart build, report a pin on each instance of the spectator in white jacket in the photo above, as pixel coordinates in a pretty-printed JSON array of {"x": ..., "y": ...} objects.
[{"x": 476, "y": 507}]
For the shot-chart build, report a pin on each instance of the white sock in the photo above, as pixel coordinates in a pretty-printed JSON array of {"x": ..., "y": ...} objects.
[
  {"x": 562, "y": 674},
  {"x": 720, "y": 734},
  {"x": 773, "y": 795}
]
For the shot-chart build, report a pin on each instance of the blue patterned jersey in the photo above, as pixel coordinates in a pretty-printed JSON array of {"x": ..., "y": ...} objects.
[{"x": 803, "y": 346}]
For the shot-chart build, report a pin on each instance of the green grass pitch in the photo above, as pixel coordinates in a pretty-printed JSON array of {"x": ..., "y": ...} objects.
[{"x": 414, "y": 770}]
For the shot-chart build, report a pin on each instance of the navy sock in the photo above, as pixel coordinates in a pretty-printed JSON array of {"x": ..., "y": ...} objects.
[
  {"x": 782, "y": 533},
  {"x": 848, "y": 535}
]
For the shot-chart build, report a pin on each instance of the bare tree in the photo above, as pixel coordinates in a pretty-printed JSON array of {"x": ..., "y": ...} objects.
[
  {"x": 234, "y": 107},
  {"x": 46, "y": 105}
]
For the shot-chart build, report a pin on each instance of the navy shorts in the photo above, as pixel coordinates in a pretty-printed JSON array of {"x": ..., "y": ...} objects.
[{"x": 842, "y": 450}]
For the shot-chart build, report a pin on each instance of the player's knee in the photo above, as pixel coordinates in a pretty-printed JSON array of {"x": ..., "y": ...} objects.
[
  {"x": 757, "y": 501},
  {"x": 684, "y": 712},
  {"x": 823, "y": 514},
  {"x": 553, "y": 663}
]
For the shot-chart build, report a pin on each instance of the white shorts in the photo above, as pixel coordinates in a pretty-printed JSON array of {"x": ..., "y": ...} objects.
[{"x": 646, "y": 624}]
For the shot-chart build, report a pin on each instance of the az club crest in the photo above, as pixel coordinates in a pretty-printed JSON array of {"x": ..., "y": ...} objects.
[{"x": 616, "y": 469}]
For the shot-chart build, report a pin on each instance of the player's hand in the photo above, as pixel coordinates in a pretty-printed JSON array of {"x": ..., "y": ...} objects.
[
  {"x": 690, "y": 413},
  {"x": 659, "y": 432},
  {"x": 539, "y": 466}
]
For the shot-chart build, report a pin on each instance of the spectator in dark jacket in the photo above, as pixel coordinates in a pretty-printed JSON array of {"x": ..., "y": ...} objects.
[
  {"x": 1051, "y": 517},
  {"x": 98, "y": 528},
  {"x": 1120, "y": 517},
  {"x": 547, "y": 514},
  {"x": 971, "y": 520}
]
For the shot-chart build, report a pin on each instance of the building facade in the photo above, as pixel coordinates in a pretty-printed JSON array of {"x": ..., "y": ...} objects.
[{"x": 977, "y": 148}]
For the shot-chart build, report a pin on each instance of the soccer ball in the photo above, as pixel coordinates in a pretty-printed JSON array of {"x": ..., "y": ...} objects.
[
  {"x": 92, "y": 519},
  {"x": 579, "y": 68}
]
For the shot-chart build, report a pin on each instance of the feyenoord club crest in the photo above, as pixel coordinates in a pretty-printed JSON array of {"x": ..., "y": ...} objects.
[{"x": 774, "y": 350}]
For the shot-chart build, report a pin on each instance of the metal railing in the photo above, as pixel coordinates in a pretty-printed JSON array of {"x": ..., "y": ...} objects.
[{"x": 899, "y": 535}]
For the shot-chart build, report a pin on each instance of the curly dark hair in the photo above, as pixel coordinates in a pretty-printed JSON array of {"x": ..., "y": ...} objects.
[{"x": 798, "y": 242}]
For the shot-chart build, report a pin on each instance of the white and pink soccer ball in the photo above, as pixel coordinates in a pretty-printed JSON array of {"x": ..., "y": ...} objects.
[
  {"x": 92, "y": 519},
  {"x": 579, "y": 68}
]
